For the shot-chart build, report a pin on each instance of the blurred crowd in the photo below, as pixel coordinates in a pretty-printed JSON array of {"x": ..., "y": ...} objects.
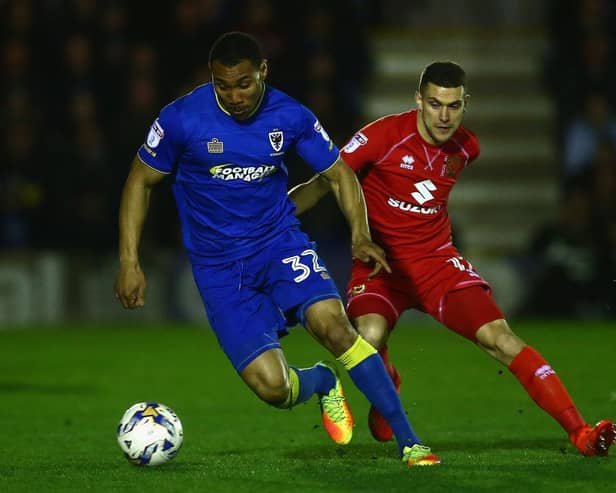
[
  {"x": 573, "y": 257},
  {"x": 82, "y": 80}
]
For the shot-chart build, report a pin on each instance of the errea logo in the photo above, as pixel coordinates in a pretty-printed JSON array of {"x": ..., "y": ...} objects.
[
  {"x": 544, "y": 372},
  {"x": 407, "y": 162}
]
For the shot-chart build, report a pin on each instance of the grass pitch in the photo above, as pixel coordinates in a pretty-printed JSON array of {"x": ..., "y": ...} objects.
[{"x": 63, "y": 390}]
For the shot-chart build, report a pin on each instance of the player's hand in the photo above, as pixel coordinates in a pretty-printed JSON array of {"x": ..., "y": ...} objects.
[
  {"x": 367, "y": 251},
  {"x": 130, "y": 285}
]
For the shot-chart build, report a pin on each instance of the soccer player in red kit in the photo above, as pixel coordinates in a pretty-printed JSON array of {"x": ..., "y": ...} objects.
[{"x": 407, "y": 164}]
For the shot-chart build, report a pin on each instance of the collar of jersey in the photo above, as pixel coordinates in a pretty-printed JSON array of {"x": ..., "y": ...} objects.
[{"x": 257, "y": 106}]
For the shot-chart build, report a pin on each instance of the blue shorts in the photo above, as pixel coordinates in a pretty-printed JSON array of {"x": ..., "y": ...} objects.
[{"x": 249, "y": 301}]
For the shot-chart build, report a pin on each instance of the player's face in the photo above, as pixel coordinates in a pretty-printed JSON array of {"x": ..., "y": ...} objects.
[
  {"x": 441, "y": 110},
  {"x": 239, "y": 88}
]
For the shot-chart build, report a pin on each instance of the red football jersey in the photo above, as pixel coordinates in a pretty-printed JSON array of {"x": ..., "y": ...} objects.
[{"x": 407, "y": 181}]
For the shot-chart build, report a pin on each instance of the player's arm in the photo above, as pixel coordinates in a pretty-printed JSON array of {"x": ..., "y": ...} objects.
[
  {"x": 350, "y": 197},
  {"x": 306, "y": 195},
  {"x": 130, "y": 282}
]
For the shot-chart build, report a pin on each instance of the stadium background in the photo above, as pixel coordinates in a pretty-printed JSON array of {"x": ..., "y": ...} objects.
[{"x": 82, "y": 80}]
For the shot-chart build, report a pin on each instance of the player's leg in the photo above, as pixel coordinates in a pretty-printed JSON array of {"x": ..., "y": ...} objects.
[
  {"x": 246, "y": 323},
  {"x": 545, "y": 387},
  {"x": 374, "y": 328},
  {"x": 299, "y": 281},
  {"x": 473, "y": 313},
  {"x": 284, "y": 386},
  {"x": 328, "y": 323},
  {"x": 268, "y": 377},
  {"x": 296, "y": 278},
  {"x": 374, "y": 306}
]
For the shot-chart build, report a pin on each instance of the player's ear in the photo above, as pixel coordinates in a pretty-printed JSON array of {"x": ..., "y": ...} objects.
[
  {"x": 418, "y": 100},
  {"x": 263, "y": 69}
]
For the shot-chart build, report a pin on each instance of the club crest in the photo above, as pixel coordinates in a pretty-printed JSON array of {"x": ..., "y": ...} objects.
[
  {"x": 452, "y": 165},
  {"x": 276, "y": 139}
]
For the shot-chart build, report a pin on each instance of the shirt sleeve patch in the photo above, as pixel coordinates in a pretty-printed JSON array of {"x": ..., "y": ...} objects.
[
  {"x": 359, "y": 139},
  {"x": 319, "y": 128},
  {"x": 155, "y": 135}
]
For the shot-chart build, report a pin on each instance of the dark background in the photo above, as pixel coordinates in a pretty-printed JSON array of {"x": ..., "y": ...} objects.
[{"x": 82, "y": 81}]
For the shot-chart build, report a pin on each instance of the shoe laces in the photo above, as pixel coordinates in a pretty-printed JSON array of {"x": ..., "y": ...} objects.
[
  {"x": 333, "y": 405},
  {"x": 416, "y": 452}
]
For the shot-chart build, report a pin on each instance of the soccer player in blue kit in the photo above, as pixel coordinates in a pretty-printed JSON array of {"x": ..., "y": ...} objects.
[{"x": 223, "y": 145}]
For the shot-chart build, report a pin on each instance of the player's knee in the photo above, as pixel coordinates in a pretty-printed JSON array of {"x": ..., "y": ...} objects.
[
  {"x": 270, "y": 386},
  {"x": 275, "y": 392},
  {"x": 332, "y": 328},
  {"x": 375, "y": 336},
  {"x": 497, "y": 338},
  {"x": 509, "y": 345},
  {"x": 338, "y": 335}
]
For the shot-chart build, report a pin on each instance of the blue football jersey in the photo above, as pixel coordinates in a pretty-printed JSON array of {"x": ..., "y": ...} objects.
[{"x": 230, "y": 178}]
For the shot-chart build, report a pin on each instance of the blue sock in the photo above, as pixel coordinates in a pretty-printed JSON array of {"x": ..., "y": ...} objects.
[
  {"x": 316, "y": 379},
  {"x": 368, "y": 372}
]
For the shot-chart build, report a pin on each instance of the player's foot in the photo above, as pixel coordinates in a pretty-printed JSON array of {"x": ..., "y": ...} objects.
[
  {"x": 419, "y": 455},
  {"x": 335, "y": 412},
  {"x": 379, "y": 428},
  {"x": 594, "y": 440}
]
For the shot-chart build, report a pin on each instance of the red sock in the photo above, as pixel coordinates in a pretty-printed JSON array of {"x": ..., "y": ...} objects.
[
  {"x": 384, "y": 352},
  {"x": 545, "y": 388}
]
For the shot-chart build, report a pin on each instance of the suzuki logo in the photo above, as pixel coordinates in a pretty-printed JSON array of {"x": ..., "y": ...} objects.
[{"x": 423, "y": 194}]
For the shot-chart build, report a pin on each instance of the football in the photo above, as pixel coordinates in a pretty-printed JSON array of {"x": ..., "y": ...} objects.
[{"x": 150, "y": 434}]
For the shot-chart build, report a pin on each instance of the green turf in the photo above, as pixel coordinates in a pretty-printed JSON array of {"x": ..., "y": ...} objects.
[{"x": 63, "y": 391}]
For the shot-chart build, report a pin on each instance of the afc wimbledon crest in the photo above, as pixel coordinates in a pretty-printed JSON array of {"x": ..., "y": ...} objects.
[{"x": 276, "y": 138}]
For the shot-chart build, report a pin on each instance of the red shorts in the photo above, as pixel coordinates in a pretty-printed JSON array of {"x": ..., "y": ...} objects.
[{"x": 435, "y": 283}]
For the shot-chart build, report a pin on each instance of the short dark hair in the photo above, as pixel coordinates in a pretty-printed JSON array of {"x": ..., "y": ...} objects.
[
  {"x": 443, "y": 74},
  {"x": 233, "y": 47}
]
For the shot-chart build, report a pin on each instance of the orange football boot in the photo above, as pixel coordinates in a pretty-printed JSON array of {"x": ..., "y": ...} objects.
[
  {"x": 335, "y": 412},
  {"x": 419, "y": 455}
]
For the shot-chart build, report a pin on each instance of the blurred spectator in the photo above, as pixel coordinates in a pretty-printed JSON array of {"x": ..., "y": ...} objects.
[
  {"x": 82, "y": 80},
  {"x": 569, "y": 263},
  {"x": 575, "y": 258},
  {"x": 604, "y": 193},
  {"x": 272, "y": 24},
  {"x": 21, "y": 190},
  {"x": 584, "y": 133},
  {"x": 582, "y": 45},
  {"x": 193, "y": 26},
  {"x": 338, "y": 63},
  {"x": 604, "y": 180},
  {"x": 20, "y": 84},
  {"x": 113, "y": 57}
]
